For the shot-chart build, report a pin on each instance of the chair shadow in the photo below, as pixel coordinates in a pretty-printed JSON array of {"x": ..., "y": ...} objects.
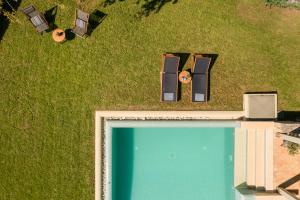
[
  {"x": 69, "y": 34},
  {"x": 8, "y": 6},
  {"x": 50, "y": 16},
  {"x": 294, "y": 191},
  {"x": 179, "y": 91},
  {"x": 296, "y": 132},
  {"x": 289, "y": 116},
  {"x": 95, "y": 19},
  {"x": 264, "y": 92},
  {"x": 290, "y": 182},
  {"x": 183, "y": 60},
  {"x": 212, "y": 62}
]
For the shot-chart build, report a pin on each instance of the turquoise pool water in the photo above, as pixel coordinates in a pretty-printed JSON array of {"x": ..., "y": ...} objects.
[{"x": 172, "y": 163}]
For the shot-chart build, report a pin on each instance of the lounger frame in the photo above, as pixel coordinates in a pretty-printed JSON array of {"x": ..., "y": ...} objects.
[
  {"x": 79, "y": 31},
  {"x": 30, "y": 11},
  {"x": 161, "y": 77},
  {"x": 195, "y": 56}
]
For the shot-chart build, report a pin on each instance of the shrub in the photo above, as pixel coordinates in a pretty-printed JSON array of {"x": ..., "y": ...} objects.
[
  {"x": 293, "y": 148},
  {"x": 276, "y": 2},
  {"x": 87, "y": 5},
  {"x": 283, "y": 3}
]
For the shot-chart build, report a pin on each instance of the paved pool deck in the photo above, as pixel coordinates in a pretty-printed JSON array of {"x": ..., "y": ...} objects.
[
  {"x": 285, "y": 166},
  {"x": 282, "y": 168}
]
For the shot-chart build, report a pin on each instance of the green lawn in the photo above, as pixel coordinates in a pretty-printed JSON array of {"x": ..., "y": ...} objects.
[{"x": 49, "y": 92}]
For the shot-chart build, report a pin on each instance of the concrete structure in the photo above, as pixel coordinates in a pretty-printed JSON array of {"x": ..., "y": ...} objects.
[
  {"x": 259, "y": 155},
  {"x": 260, "y": 106}
]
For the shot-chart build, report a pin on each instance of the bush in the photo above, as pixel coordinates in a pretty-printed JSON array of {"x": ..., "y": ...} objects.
[
  {"x": 276, "y": 2},
  {"x": 293, "y": 148},
  {"x": 284, "y": 3}
]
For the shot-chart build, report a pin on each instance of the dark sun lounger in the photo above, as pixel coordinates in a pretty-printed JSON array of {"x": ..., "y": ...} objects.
[
  {"x": 169, "y": 78},
  {"x": 36, "y": 18},
  {"x": 200, "y": 78}
]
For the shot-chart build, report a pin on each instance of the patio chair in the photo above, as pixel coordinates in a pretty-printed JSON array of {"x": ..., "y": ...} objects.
[
  {"x": 81, "y": 23},
  {"x": 36, "y": 18},
  {"x": 169, "y": 78},
  {"x": 200, "y": 78}
]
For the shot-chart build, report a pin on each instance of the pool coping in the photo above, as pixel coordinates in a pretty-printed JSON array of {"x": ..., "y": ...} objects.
[{"x": 102, "y": 116}]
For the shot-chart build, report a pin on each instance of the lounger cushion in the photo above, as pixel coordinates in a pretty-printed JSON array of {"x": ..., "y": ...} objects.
[
  {"x": 29, "y": 9},
  {"x": 169, "y": 97},
  {"x": 171, "y": 64},
  {"x": 169, "y": 85},
  {"x": 82, "y": 15},
  {"x": 199, "y": 97},
  {"x": 199, "y": 87},
  {"x": 42, "y": 27},
  {"x": 79, "y": 31},
  {"x": 201, "y": 65},
  {"x": 36, "y": 20},
  {"x": 80, "y": 23}
]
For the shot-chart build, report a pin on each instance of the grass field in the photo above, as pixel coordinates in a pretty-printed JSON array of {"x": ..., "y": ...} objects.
[{"x": 49, "y": 91}]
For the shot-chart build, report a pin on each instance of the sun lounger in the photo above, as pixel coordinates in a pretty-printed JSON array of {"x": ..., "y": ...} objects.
[
  {"x": 36, "y": 18},
  {"x": 169, "y": 78},
  {"x": 200, "y": 78},
  {"x": 81, "y": 23}
]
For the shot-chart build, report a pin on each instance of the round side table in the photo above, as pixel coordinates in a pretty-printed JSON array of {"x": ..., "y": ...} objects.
[
  {"x": 185, "y": 77},
  {"x": 59, "y": 35}
]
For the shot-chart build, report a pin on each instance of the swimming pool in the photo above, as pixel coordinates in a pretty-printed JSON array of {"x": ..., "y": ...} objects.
[
  {"x": 151, "y": 163},
  {"x": 189, "y": 158}
]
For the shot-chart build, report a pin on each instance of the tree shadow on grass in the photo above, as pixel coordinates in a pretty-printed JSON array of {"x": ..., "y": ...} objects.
[
  {"x": 50, "y": 17},
  {"x": 4, "y": 23},
  {"x": 147, "y": 6},
  {"x": 153, "y": 6},
  {"x": 9, "y": 6},
  {"x": 95, "y": 19}
]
